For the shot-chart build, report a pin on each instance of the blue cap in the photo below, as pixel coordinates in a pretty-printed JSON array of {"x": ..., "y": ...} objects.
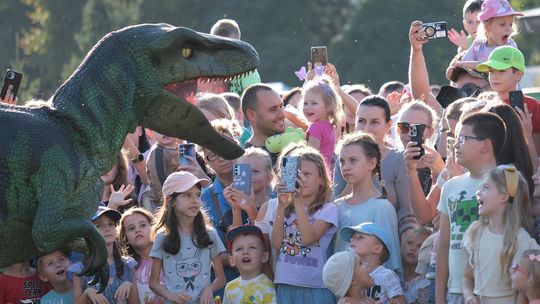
[
  {"x": 368, "y": 228},
  {"x": 113, "y": 214}
]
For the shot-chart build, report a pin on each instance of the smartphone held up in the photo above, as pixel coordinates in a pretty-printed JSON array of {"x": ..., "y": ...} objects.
[
  {"x": 289, "y": 173},
  {"x": 11, "y": 84},
  {"x": 242, "y": 178},
  {"x": 319, "y": 55}
]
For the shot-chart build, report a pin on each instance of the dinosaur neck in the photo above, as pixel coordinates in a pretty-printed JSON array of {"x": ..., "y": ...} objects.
[{"x": 95, "y": 103}]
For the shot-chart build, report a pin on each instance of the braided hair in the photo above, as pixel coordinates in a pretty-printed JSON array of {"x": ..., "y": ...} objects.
[{"x": 371, "y": 150}]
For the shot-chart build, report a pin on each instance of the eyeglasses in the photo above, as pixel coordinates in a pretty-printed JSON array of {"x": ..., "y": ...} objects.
[
  {"x": 461, "y": 139},
  {"x": 404, "y": 127},
  {"x": 212, "y": 156}
]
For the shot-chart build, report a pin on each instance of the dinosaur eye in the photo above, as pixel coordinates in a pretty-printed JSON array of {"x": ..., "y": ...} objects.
[{"x": 187, "y": 52}]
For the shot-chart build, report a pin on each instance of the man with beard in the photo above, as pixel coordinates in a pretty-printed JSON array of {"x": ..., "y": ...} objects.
[{"x": 263, "y": 109}]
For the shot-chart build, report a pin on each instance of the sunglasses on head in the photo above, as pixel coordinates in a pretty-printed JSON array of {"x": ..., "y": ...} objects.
[{"x": 404, "y": 127}]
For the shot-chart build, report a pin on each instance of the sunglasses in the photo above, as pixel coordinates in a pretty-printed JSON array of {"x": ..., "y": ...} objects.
[{"x": 404, "y": 127}]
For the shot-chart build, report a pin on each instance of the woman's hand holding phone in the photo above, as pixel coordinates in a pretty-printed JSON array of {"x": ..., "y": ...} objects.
[{"x": 193, "y": 167}]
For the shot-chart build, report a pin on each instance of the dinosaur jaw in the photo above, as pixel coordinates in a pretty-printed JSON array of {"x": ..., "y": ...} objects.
[{"x": 188, "y": 89}]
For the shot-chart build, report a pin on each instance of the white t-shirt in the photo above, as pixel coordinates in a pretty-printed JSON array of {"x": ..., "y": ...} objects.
[
  {"x": 458, "y": 202},
  {"x": 386, "y": 285},
  {"x": 189, "y": 270},
  {"x": 484, "y": 256}
]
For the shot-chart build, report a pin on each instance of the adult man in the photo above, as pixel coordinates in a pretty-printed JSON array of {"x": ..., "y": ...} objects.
[{"x": 263, "y": 109}]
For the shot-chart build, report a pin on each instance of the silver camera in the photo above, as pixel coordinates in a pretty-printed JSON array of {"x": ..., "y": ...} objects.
[{"x": 434, "y": 30}]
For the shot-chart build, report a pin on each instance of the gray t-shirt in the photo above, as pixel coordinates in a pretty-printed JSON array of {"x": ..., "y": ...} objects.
[{"x": 189, "y": 270}]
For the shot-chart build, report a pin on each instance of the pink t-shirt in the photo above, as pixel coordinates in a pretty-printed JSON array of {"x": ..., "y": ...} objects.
[{"x": 325, "y": 132}]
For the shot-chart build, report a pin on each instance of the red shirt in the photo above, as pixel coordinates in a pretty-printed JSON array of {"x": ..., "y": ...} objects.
[
  {"x": 14, "y": 290},
  {"x": 534, "y": 108}
]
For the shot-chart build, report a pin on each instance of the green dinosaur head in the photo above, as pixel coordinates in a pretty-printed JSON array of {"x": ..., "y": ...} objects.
[{"x": 173, "y": 59}]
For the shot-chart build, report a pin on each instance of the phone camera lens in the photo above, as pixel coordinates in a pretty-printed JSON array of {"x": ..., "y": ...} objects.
[{"x": 11, "y": 75}]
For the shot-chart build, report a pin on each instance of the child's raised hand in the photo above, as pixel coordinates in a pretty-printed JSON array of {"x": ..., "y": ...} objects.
[
  {"x": 238, "y": 199},
  {"x": 122, "y": 293},
  {"x": 458, "y": 38},
  {"x": 394, "y": 101},
  {"x": 94, "y": 297},
  {"x": 526, "y": 120},
  {"x": 284, "y": 198},
  {"x": 117, "y": 198},
  {"x": 415, "y": 33},
  {"x": 207, "y": 296}
]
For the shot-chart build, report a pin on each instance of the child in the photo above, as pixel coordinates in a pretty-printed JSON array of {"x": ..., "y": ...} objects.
[
  {"x": 247, "y": 253},
  {"x": 348, "y": 277},
  {"x": 497, "y": 29},
  {"x": 52, "y": 268},
  {"x": 415, "y": 286},
  {"x": 19, "y": 283},
  {"x": 360, "y": 161},
  {"x": 185, "y": 248},
  {"x": 470, "y": 24},
  {"x": 506, "y": 67},
  {"x": 497, "y": 240},
  {"x": 120, "y": 268},
  {"x": 303, "y": 228},
  {"x": 322, "y": 108},
  {"x": 526, "y": 275},
  {"x": 262, "y": 177},
  {"x": 371, "y": 243},
  {"x": 135, "y": 240},
  {"x": 162, "y": 160}
]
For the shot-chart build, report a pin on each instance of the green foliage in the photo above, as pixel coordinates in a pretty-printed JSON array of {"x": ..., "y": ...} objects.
[{"x": 367, "y": 39}]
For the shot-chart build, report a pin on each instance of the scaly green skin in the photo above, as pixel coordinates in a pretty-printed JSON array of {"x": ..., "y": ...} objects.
[{"x": 52, "y": 156}]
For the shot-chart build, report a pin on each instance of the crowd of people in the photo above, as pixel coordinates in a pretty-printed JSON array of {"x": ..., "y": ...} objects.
[{"x": 416, "y": 194}]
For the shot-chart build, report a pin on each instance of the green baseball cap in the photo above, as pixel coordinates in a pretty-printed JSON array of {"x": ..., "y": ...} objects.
[{"x": 502, "y": 58}]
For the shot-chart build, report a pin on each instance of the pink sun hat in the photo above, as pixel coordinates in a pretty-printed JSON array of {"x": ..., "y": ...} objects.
[{"x": 496, "y": 8}]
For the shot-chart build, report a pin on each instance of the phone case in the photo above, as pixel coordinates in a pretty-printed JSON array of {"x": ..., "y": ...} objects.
[
  {"x": 417, "y": 135},
  {"x": 185, "y": 149},
  {"x": 516, "y": 99},
  {"x": 289, "y": 172},
  {"x": 242, "y": 178},
  {"x": 12, "y": 79},
  {"x": 319, "y": 54}
]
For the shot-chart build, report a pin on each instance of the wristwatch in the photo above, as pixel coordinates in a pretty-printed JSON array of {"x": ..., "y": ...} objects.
[{"x": 138, "y": 158}]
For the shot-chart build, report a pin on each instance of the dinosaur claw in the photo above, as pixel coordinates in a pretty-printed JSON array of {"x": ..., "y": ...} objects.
[{"x": 101, "y": 278}]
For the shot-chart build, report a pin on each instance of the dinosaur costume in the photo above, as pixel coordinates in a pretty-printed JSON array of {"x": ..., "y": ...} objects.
[{"x": 52, "y": 155}]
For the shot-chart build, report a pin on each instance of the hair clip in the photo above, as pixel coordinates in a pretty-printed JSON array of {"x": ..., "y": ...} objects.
[
  {"x": 382, "y": 183},
  {"x": 301, "y": 74},
  {"x": 512, "y": 181},
  {"x": 533, "y": 257},
  {"x": 319, "y": 70}
]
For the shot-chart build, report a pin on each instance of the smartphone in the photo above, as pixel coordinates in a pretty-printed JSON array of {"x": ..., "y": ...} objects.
[
  {"x": 416, "y": 131},
  {"x": 185, "y": 149},
  {"x": 516, "y": 99},
  {"x": 12, "y": 81},
  {"x": 242, "y": 178},
  {"x": 319, "y": 54},
  {"x": 434, "y": 30},
  {"x": 289, "y": 173}
]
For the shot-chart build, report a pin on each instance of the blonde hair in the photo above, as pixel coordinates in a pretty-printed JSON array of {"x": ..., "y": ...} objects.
[
  {"x": 215, "y": 104},
  {"x": 331, "y": 99},
  {"x": 533, "y": 267},
  {"x": 481, "y": 33},
  {"x": 420, "y": 106},
  {"x": 325, "y": 191},
  {"x": 258, "y": 153},
  {"x": 513, "y": 219}
]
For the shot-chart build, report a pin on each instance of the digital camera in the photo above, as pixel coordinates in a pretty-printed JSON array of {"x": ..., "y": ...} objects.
[{"x": 434, "y": 30}]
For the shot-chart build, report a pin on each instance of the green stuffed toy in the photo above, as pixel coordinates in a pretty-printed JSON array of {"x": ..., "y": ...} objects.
[{"x": 276, "y": 143}]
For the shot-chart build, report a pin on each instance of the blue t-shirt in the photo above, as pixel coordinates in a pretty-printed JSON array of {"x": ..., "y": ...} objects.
[{"x": 53, "y": 297}]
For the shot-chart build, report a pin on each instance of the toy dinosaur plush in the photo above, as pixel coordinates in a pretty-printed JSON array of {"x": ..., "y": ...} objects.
[
  {"x": 52, "y": 155},
  {"x": 276, "y": 143}
]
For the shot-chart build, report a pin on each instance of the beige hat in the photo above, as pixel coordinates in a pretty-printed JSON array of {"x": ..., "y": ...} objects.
[
  {"x": 179, "y": 182},
  {"x": 338, "y": 272}
]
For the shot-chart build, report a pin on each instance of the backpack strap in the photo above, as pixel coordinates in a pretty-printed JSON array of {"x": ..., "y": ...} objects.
[
  {"x": 159, "y": 165},
  {"x": 216, "y": 203}
]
